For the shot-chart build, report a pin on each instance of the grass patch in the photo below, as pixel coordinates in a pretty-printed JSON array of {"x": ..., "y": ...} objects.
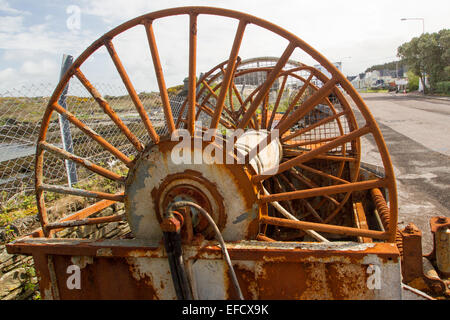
[{"x": 374, "y": 91}]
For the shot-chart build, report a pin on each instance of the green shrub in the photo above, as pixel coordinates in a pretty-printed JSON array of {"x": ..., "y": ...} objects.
[
  {"x": 443, "y": 87},
  {"x": 413, "y": 81}
]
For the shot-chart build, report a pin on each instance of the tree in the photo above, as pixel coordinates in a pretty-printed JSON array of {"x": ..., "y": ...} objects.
[
  {"x": 428, "y": 55},
  {"x": 394, "y": 65},
  {"x": 413, "y": 81}
]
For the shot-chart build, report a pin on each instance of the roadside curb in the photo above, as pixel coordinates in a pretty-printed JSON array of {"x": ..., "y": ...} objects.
[{"x": 428, "y": 97}]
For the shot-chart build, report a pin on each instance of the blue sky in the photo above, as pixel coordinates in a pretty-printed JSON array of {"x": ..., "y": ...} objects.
[{"x": 34, "y": 35}]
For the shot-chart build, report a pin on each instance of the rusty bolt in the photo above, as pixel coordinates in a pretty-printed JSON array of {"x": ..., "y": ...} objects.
[
  {"x": 437, "y": 288},
  {"x": 170, "y": 225},
  {"x": 441, "y": 219},
  {"x": 410, "y": 228}
]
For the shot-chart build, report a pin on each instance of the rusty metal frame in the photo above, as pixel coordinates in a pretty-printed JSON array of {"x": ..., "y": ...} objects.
[{"x": 104, "y": 258}]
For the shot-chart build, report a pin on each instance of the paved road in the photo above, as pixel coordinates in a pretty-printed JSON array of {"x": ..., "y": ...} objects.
[{"x": 417, "y": 134}]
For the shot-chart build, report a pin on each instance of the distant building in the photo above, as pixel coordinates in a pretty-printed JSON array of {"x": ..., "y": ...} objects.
[
  {"x": 319, "y": 67},
  {"x": 379, "y": 79}
]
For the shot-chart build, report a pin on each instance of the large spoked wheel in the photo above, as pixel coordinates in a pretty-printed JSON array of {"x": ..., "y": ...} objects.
[
  {"x": 320, "y": 124},
  {"x": 317, "y": 174}
]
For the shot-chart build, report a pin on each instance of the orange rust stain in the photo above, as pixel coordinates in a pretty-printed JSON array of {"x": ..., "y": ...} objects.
[
  {"x": 143, "y": 280},
  {"x": 246, "y": 280},
  {"x": 279, "y": 281},
  {"x": 347, "y": 281},
  {"x": 317, "y": 285}
]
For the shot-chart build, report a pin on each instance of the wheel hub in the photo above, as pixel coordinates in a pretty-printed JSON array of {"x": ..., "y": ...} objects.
[{"x": 225, "y": 190}]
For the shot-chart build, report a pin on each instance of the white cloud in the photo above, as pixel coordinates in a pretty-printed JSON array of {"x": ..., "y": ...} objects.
[
  {"x": 41, "y": 37},
  {"x": 10, "y": 24},
  {"x": 368, "y": 33},
  {"x": 5, "y": 7},
  {"x": 41, "y": 67},
  {"x": 7, "y": 74}
]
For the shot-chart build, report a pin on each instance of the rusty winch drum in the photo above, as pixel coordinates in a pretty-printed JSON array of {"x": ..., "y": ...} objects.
[{"x": 297, "y": 214}]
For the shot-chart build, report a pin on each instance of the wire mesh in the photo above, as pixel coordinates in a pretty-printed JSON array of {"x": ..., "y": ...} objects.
[{"x": 21, "y": 111}]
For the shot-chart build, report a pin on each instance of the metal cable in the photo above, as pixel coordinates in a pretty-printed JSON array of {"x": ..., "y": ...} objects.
[{"x": 219, "y": 238}]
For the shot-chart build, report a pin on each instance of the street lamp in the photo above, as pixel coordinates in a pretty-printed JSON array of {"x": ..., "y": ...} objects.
[
  {"x": 423, "y": 31},
  {"x": 423, "y": 22}
]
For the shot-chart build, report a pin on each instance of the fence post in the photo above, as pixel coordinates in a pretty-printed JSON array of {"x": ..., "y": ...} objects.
[{"x": 64, "y": 125}]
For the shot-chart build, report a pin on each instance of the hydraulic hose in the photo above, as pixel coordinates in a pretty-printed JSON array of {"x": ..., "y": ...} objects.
[{"x": 219, "y": 238}]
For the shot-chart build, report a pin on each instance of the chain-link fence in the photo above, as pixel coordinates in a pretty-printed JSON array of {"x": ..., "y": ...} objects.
[{"x": 21, "y": 111}]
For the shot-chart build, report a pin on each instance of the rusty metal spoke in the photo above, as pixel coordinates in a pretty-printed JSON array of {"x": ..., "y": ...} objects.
[
  {"x": 82, "y": 161},
  {"x": 305, "y": 202},
  {"x": 306, "y": 106},
  {"x": 315, "y": 152},
  {"x": 277, "y": 102},
  {"x": 310, "y": 184},
  {"x": 313, "y": 126},
  {"x": 82, "y": 193},
  {"x": 84, "y": 222},
  {"x": 303, "y": 225},
  {"x": 323, "y": 174},
  {"x": 92, "y": 134},
  {"x": 228, "y": 73},
  {"x": 131, "y": 91},
  {"x": 160, "y": 76},
  {"x": 297, "y": 97},
  {"x": 266, "y": 86},
  {"x": 192, "y": 72},
  {"x": 210, "y": 112},
  {"x": 109, "y": 111},
  {"x": 342, "y": 188}
]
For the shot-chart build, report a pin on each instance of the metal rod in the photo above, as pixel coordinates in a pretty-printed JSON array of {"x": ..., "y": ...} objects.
[
  {"x": 342, "y": 188},
  {"x": 262, "y": 237},
  {"x": 66, "y": 136},
  {"x": 315, "y": 125},
  {"x": 303, "y": 225},
  {"x": 288, "y": 215},
  {"x": 160, "y": 77},
  {"x": 277, "y": 102},
  {"x": 82, "y": 161},
  {"x": 82, "y": 193},
  {"x": 306, "y": 106},
  {"x": 131, "y": 91},
  {"x": 310, "y": 184},
  {"x": 313, "y": 153},
  {"x": 83, "y": 222},
  {"x": 229, "y": 73},
  {"x": 109, "y": 111},
  {"x": 297, "y": 97},
  {"x": 266, "y": 85},
  {"x": 310, "y": 142},
  {"x": 192, "y": 72},
  {"x": 306, "y": 203},
  {"x": 323, "y": 174},
  {"x": 91, "y": 133}
]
